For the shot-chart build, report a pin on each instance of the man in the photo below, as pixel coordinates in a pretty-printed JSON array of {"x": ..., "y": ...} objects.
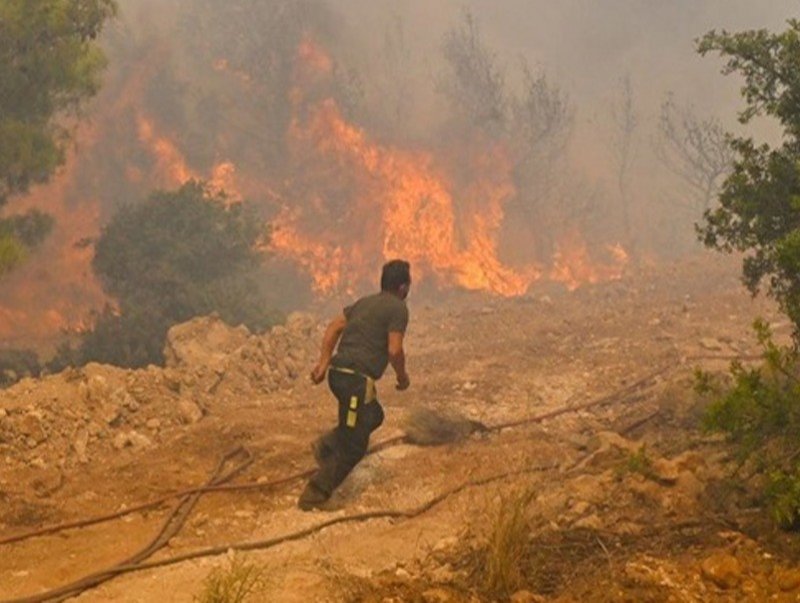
[{"x": 369, "y": 334}]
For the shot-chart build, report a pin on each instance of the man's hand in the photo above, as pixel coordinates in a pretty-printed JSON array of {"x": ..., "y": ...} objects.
[
  {"x": 402, "y": 382},
  {"x": 318, "y": 374}
]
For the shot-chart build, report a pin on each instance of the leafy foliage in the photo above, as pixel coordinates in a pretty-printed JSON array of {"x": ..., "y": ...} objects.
[
  {"x": 49, "y": 64},
  {"x": 178, "y": 255},
  {"x": 19, "y": 235},
  {"x": 12, "y": 252},
  {"x": 760, "y": 413},
  {"x": 638, "y": 462},
  {"x": 759, "y": 214},
  {"x": 759, "y": 209}
]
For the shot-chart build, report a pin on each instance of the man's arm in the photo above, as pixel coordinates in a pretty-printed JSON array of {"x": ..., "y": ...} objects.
[
  {"x": 329, "y": 340},
  {"x": 397, "y": 358}
]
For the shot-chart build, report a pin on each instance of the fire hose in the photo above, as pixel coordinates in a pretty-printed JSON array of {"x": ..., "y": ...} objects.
[{"x": 218, "y": 482}]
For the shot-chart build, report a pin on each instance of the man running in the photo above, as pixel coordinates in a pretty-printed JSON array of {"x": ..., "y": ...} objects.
[{"x": 369, "y": 334}]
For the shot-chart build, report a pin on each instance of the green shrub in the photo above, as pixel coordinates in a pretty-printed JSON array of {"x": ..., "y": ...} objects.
[
  {"x": 637, "y": 462},
  {"x": 175, "y": 256},
  {"x": 759, "y": 410}
]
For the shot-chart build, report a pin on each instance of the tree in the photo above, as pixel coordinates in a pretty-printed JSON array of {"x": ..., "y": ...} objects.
[
  {"x": 256, "y": 43},
  {"x": 759, "y": 206},
  {"x": 49, "y": 65},
  {"x": 626, "y": 121},
  {"x": 541, "y": 119},
  {"x": 759, "y": 214},
  {"x": 177, "y": 255},
  {"x": 696, "y": 150},
  {"x": 19, "y": 234},
  {"x": 473, "y": 83}
]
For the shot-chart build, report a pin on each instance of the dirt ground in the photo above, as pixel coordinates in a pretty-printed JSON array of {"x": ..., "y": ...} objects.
[{"x": 600, "y": 528}]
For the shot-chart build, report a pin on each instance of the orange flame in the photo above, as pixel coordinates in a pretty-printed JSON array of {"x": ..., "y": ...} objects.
[
  {"x": 573, "y": 266},
  {"x": 406, "y": 204},
  {"x": 53, "y": 291},
  {"x": 406, "y": 210},
  {"x": 171, "y": 167},
  {"x": 313, "y": 57}
]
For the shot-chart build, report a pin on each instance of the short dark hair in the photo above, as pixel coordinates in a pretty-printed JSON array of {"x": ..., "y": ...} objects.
[{"x": 395, "y": 274}]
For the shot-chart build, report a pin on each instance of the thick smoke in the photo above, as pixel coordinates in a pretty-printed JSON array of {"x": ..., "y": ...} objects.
[{"x": 531, "y": 133}]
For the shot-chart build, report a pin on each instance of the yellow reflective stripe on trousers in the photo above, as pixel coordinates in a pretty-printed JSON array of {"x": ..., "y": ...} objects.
[
  {"x": 352, "y": 414},
  {"x": 370, "y": 392}
]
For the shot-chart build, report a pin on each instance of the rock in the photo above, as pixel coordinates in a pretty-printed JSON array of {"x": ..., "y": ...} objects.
[
  {"x": 120, "y": 441},
  {"x": 578, "y": 441},
  {"x": 203, "y": 341},
  {"x": 438, "y": 595},
  {"x": 190, "y": 412},
  {"x": 38, "y": 463},
  {"x": 722, "y": 569},
  {"x": 590, "y": 522},
  {"x": 445, "y": 544},
  {"x": 443, "y": 574},
  {"x": 609, "y": 446},
  {"x": 300, "y": 323},
  {"x": 526, "y": 596},
  {"x": 47, "y": 480},
  {"x": 98, "y": 389},
  {"x": 402, "y": 573},
  {"x": 133, "y": 439},
  {"x": 665, "y": 471},
  {"x": 788, "y": 579},
  {"x": 95, "y": 430},
  {"x": 638, "y": 573},
  {"x": 31, "y": 426},
  {"x": 111, "y": 414},
  {"x": 80, "y": 444},
  {"x": 711, "y": 344},
  {"x": 153, "y": 423},
  {"x": 580, "y": 507}
]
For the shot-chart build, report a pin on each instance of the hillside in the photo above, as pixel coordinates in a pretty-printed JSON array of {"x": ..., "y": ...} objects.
[{"x": 626, "y": 498}]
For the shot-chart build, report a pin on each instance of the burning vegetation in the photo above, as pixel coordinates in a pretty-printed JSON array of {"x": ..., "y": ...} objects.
[{"x": 346, "y": 160}]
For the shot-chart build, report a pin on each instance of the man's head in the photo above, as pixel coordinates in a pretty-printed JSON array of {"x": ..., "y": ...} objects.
[{"x": 396, "y": 278}]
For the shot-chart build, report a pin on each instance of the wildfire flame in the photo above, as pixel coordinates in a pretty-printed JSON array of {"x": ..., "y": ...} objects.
[
  {"x": 350, "y": 203},
  {"x": 407, "y": 204},
  {"x": 51, "y": 293}
]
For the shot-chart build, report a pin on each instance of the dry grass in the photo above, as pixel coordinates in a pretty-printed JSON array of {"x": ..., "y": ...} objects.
[
  {"x": 506, "y": 552},
  {"x": 238, "y": 582}
]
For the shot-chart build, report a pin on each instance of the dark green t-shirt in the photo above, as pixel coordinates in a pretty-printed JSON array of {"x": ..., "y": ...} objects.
[{"x": 364, "y": 345}]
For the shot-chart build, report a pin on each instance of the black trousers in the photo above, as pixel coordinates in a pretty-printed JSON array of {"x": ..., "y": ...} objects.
[{"x": 344, "y": 446}]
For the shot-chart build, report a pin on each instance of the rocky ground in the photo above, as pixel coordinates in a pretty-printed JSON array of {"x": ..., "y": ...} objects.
[{"x": 623, "y": 500}]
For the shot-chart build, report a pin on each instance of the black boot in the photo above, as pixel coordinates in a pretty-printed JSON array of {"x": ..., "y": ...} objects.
[{"x": 312, "y": 498}]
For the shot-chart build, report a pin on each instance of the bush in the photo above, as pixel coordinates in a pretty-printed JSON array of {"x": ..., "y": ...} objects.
[
  {"x": 16, "y": 364},
  {"x": 758, "y": 208},
  {"x": 759, "y": 410},
  {"x": 176, "y": 256}
]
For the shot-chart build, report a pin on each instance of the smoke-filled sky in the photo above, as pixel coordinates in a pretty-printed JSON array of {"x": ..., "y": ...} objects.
[
  {"x": 326, "y": 128},
  {"x": 587, "y": 43}
]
